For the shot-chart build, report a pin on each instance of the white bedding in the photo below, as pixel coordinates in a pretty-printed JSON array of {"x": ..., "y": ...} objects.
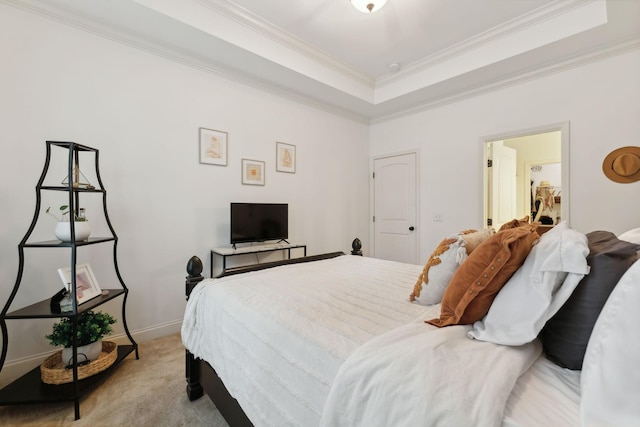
[
  {"x": 546, "y": 395},
  {"x": 278, "y": 338},
  {"x": 419, "y": 374}
]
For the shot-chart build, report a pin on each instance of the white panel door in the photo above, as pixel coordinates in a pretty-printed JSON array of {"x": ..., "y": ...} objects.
[
  {"x": 502, "y": 178},
  {"x": 395, "y": 208}
]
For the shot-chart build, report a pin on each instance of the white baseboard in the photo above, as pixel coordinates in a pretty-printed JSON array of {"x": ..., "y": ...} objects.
[{"x": 14, "y": 369}]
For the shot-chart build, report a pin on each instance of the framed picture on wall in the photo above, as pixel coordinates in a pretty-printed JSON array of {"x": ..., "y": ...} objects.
[
  {"x": 252, "y": 172},
  {"x": 285, "y": 157},
  {"x": 213, "y": 147},
  {"x": 86, "y": 284}
]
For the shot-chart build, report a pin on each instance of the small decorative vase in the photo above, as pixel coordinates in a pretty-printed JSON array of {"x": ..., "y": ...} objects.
[
  {"x": 63, "y": 231},
  {"x": 85, "y": 353}
]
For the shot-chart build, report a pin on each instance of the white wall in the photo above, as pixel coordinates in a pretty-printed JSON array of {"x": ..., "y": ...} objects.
[
  {"x": 599, "y": 99},
  {"x": 143, "y": 113}
]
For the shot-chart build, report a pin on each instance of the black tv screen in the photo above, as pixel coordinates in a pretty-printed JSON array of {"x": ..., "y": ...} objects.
[{"x": 258, "y": 222}]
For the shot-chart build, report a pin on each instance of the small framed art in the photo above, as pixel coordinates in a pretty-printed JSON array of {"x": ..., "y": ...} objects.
[
  {"x": 285, "y": 157},
  {"x": 252, "y": 172},
  {"x": 213, "y": 147},
  {"x": 86, "y": 284}
]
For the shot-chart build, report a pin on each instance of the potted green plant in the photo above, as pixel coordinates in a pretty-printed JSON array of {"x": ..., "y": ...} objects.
[
  {"x": 63, "y": 229},
  {"x": 92, "y": 327}
]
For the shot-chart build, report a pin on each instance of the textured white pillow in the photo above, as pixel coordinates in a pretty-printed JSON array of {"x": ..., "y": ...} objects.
[
  {"x": 435, "y": 277},
  {"x": 610, "y": 375},
  {"x": 632, "y": 236},
  {"x": 537, "y": 290}
]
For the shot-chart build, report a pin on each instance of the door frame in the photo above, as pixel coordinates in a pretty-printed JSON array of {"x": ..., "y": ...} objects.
[
  {"x": 563, "y": 127},
  {"x": 372, "y": 200}
]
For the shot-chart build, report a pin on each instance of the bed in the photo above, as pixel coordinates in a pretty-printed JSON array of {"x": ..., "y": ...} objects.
[{"x": 335, "y": 340}]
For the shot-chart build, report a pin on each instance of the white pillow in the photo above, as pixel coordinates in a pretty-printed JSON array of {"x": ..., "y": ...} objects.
[
  {"x": 632, "y": 236},
  {"x": 610, "y": 375},
  {"x": 438, "y": 270},
  {"x": 537, "y": 290}
]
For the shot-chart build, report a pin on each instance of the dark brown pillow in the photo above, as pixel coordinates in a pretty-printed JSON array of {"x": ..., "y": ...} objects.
[
  {"x": 566, "y": 334},
  {"x": 477, "y": 281}
]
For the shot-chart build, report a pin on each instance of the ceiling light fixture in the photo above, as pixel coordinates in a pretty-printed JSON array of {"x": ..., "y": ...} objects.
[{"x": 368, "y": 6}]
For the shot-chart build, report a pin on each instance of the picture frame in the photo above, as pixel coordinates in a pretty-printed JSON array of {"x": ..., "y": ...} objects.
[
  {"x": 86, "y": 284},
  {"x": 253, "y": 172},
  {"x": 213, "y": 147},
  {"x": 285, "y": 157}
]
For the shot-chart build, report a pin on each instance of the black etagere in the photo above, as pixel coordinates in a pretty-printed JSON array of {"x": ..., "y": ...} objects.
[{"x": 30, "y": 388}]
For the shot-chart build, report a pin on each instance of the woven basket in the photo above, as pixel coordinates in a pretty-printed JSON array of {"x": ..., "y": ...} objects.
[{"x": 53, "y": 371}]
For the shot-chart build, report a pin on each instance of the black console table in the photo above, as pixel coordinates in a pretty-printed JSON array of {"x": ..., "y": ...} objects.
[{"x": 230, "y": 252}]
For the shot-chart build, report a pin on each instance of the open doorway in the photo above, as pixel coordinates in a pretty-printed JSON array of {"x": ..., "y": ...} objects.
[{"x": 540, "y": 172}]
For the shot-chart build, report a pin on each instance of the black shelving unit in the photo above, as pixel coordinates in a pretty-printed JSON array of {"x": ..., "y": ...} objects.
[{"x": 30, "y": 388}]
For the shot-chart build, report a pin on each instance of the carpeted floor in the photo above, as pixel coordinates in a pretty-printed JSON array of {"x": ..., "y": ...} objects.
[{"x": 145, "y": 392}]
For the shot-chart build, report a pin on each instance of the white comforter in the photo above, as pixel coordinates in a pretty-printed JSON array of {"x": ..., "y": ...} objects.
[
  {"x": 287, "y": 340},
  {"x": 418, "y": 374},
  {"x": 277, "y": 337}
]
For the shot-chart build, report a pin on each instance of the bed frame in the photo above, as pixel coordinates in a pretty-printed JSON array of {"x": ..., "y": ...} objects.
[{"x": 201, "y": 377}]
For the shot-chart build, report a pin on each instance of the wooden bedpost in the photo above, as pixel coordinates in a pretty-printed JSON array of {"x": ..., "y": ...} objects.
[
  {"x": 192, "y": 368},
  {"x": 194, "y": 269},
  {"x": 356, "y": 245}
]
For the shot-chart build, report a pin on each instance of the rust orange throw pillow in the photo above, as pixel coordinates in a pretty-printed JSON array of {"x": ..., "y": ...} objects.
[{"x": 477, "y": 281}]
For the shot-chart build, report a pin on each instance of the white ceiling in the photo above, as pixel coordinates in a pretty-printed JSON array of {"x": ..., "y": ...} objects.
[
  {"x": 403, "y": 32},
  {"x": 327, "y": 53}
]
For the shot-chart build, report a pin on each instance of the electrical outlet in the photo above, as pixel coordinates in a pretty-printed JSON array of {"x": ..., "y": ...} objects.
[{"x": 437, "y": 217}]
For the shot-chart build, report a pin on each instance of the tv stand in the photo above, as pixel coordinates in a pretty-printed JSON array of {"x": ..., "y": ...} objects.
[
  {"x": 235, "y": 248},
  {"x": 225, "y": 253}
]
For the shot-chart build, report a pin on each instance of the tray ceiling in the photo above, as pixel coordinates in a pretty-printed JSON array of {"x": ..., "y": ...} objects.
[{"x": 328, "y": 54}]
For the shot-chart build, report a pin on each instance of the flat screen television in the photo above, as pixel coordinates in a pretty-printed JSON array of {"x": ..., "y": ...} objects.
[{"x": 259, "y": 222}]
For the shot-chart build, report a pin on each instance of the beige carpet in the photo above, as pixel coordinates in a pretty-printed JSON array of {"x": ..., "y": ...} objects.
[{"x": 145, "y": 392}]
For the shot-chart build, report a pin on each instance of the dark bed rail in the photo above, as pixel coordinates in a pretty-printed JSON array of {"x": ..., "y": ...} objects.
[
  {"x": 256, "y": 267},
  {"x": 194, "y": 268}
]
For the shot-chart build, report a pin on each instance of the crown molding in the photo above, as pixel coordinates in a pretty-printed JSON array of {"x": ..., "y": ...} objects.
[
  {"x": 177, "y": 56},
  {"x": 278, "y": 35},
  {"x": 354, "y": 109},
  {"x": 506, "y": 29},
  {"x": 540, "y": 27},
  {"x": 615, "y": 49},
  {"x": 227, "y": 23}
]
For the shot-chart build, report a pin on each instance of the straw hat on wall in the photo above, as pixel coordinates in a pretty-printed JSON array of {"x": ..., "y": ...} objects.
[{"x": 623, "y": 165}]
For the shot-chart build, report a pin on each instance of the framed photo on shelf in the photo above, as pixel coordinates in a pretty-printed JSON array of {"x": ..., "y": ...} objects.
[
  {"x": 285, "y": 157},
  {"x": 213, "y": 147},
  {"x": 252, "y": 172},
  {"x": 86, "y": 284}
]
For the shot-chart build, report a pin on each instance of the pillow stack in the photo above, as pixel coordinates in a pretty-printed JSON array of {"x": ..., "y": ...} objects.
[
  {"x": 443, "y": 262},
  {"x": 566, "y": 334},
  {"x": 535, "y": 292},
  {"x": 476, "y": 282}
]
